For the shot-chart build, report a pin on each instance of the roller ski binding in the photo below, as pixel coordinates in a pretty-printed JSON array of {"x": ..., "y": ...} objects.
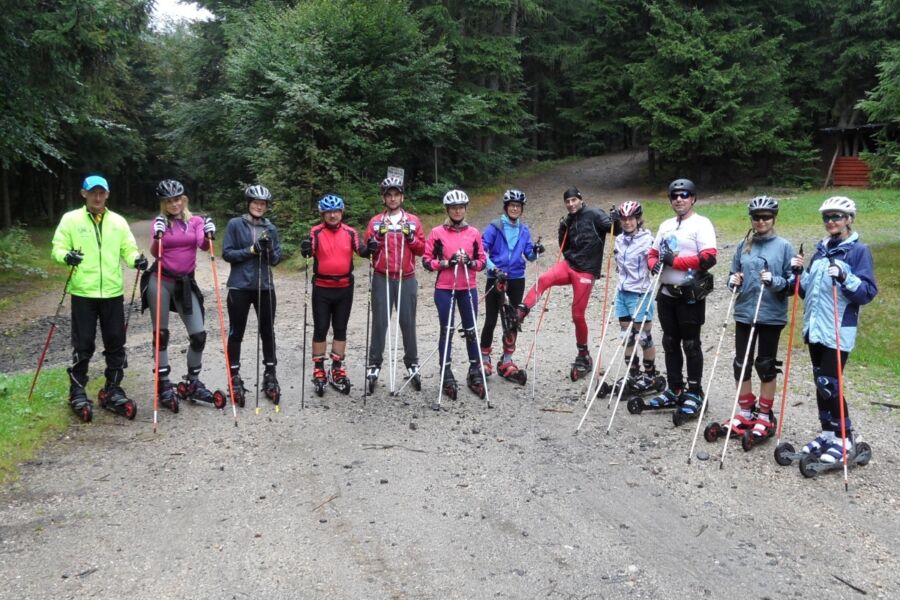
[
  {"x": 449, "y": 387},
  {"x": 644, "y": 383},
  {"x": 319, "y": 380},
  {"x": 486, "y": 361},
  {"x": 271, "y": 389},
  {"x": 582, "y": 365},
  {"x": 689, "y": 404},
  {"x": 476, "y": 382},
  {"x": 113, "y": 398},
  {"x": 749, "y": 431},
  {"x": 80, "y": 404},
  {"x": 337, "y": 377},
  {"x": 372, "y": 373},
  {"x": 412, "y": 372},
  {"x": 762, "y": 430},
  {"x": 240, "y": 392},
  {"x": 168, "y": 395},
  {"x": 665, "y": 400},
  {"x": 194, "y": 389},
  {"x": 831, "y": 456},
  {"x": 511, "y": 372}
]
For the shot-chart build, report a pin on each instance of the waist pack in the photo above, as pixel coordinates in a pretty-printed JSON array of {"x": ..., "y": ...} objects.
[{"x": 695, "y": 290}]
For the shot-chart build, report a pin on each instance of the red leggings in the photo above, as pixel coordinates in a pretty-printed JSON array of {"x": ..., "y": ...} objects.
[{"x": 582, "y": 283}]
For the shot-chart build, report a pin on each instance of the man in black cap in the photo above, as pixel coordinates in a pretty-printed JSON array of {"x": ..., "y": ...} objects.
[{"x": 582, "y": 235}]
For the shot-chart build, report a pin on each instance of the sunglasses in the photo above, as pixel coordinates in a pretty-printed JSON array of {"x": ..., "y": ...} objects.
[
  {"x": 762, "y": 217},
  {"x": 679, "y": 195},
  {"x": 833, "y": 217}
]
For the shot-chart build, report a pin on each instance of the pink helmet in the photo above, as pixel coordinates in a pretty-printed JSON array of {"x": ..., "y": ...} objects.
[{"x": 631, "y": 209}]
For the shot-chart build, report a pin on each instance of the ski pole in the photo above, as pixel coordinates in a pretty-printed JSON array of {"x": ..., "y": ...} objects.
[
  {"x": 258, "y": 312},
  {"x": 737, "y": 392},
  {"x": 40, "y": 364},
  {"x": 387, "y": 301},
  {"x": 840, "y": 374},
  {"x": 215, "y": 274},
  {"x": 604, "y": 317},
  {"x": 159, "y": 270},
  {"x": 272, "y": 317},
  {"x": 399, "y": 297},
  {"x": 303, "y": 351},
  {"x": 368, "y": 327},
  {"x": 137, "y": 278},
  {"x": 790, "y": 351},
  {"x": 449, "y": 333},
  {"x": 422, "y": 364},
  {"x": 487, "y": 394},
  {"x": 712, "y": 371}
]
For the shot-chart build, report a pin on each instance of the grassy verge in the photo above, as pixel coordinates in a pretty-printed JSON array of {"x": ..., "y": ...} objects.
[
  {"x": 877, "y": 342},
  {"x": 24, "y": 425}
]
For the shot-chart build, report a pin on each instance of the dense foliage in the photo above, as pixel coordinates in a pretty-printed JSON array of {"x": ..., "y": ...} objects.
[{"x": 309, "y": 96}]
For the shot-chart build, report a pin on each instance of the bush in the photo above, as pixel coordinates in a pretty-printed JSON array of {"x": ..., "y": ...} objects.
[{"x": 17, "y": 253}]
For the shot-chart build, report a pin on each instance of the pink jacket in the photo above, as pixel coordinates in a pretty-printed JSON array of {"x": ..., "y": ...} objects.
[
  {"x": 442, "y": 243},
  {"x": 180, "y": 243},
  {"x": 393, "y": 238}
]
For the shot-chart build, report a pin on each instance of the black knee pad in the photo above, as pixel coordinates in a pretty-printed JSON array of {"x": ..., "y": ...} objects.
[
  {"x": 692, "y": 347},
  {"x": 163, "y": 339},
  {"x": 645, "y": 339},
  {"x": 739, "y": 373},
  {"x": 198, "y": 341},
  {"x": 469, "y": 335},
  {"x": 767, "y": 368},
  {"x": 670, "y": 343}
]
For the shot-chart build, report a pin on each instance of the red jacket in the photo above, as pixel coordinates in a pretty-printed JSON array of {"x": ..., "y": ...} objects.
[
  {"x": 332, "y": 251},
  {"x": 393, "y": 239},
  {"x": 442, "y": 243}
]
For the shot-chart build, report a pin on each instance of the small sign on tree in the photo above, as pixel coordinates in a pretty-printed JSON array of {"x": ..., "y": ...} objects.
[{"x": 396, "y": 172}]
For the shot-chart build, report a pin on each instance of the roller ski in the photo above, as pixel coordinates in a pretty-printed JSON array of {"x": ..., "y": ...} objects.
[
  {"x": 271, "y": 389},
  {"x": 449, "y": 386},
  {"x": 689, "y": 405},
  {"x": 338, "y": 379},
  {"x": 510, "y": 372},
  {"x": 168, "y": 395},
  {"x": 668, "y": 399},
  {"x": 412, "y": 372},
  {"x": 582, "y": 365},
  {"x": 475, "y": 381},
  {"x": 319, "y": 380},
  {"x": 372, "y": 373},
  {"x": 750, "y": 431},
  {"x": 830, "y": 457},
  {"x": 191, "y": 388},
  {"x": 80, "y": 404},
  {"x": 640, "y": 384},
  {"x": 486, "y": 361},
  {"x": 113, "y": 398},
  {"x": 240, "y": 392}
]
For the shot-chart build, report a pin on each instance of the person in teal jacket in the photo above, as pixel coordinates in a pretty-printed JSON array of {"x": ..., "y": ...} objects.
[{"x": 94, "y": 241}]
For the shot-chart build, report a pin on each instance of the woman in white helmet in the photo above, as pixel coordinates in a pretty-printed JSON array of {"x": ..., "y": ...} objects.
[{"x": 840, "y": 259}]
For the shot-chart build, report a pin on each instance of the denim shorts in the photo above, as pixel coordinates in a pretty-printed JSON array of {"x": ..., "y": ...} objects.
[{"x": 627, "y": 303}]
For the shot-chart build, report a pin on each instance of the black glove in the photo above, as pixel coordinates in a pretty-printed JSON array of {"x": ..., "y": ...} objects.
[
  {"x": 140, "y": 263},
  {"x": 262, "y": 245},
  {"x": 500, "y": 276},
  {"x": 74, "y": 258},
  {"x": 539, "y": 249},
  {"x": 614, "y": 214},
  {"x": 666, "y": 256},
  {"x": 438, "y": 250},
  {"x": 656, "y": 268},
  {"x": 371, "y": 246},
  {"x": 306, "y": 247}
]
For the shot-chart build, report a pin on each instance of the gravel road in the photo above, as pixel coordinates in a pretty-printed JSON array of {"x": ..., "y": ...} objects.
[{"x": 393, "y": 500}]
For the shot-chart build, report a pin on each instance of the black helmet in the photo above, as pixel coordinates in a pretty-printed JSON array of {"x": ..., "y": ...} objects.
[
  {"x": 683, "y": 185},
  {"x": 169, "y": 188},
  {"x": 763, "y": 204},
  {"x": 572, "y": 192},
  {"x": 257, "y": 192}
]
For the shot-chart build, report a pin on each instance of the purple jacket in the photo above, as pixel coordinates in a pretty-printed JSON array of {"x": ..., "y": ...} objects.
[{"x": 180, "y": 243}]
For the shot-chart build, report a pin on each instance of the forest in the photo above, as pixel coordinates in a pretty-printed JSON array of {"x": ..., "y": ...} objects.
[{"x": 321, "y": 95}]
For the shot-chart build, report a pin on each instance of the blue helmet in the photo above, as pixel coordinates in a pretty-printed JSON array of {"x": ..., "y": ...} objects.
[{"x": 330, "y": 202}]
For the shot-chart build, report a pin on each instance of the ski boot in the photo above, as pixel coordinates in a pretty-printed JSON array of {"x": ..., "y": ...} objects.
[
  {"x": 831, "y": 456},
  {"x": 668, "y": 399},
  {"x": 448, "y": 385},
  {"x": 320, "y": 380},
  {"x": 337, "y": 377},
  {"x": 476, "y": 382},
  {"x": 486, "y": 361},
  {"x": 271, "y": 389},
  {"x": 509, "y": 370},
  {"x": 80, "y": 404},
  {"x": 194, "y": 389},
  {"x": 689, "y": 404},
  {"x": 786, "y": 455},
  {"x": 168, "y": 396},
  {"x": 646, "y": 383},
  {"x": 372, "y": 373},
  {"x": 113, "y": 398},
  {"x": 762, "y": 428},
  {"x": 240, "y": 392},
  {"x": 412, "y": 372},
  {"x": 582, "y": 364},
  {"x": 739, "y": 424}
]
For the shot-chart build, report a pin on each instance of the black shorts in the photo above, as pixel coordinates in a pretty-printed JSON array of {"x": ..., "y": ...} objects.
[{"x": 331, "y": 309}]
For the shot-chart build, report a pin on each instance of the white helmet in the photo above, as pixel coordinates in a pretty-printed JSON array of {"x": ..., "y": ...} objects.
[
  {"x": 839, "y": 204},
  {"x": 455, "y": 197}
]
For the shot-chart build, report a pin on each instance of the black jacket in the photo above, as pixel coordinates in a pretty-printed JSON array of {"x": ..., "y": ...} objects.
[
  {"x": 585, "y": 235},
  {"x": 240, "y": 234}
]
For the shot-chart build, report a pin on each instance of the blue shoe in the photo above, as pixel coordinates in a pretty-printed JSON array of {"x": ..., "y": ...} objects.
[
  {"x": 691, "y": 403},
  {"x": 665, "y": 400}
]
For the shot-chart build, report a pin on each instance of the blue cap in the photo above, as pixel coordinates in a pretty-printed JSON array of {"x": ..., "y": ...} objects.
[{"x": 95, "y": 181}]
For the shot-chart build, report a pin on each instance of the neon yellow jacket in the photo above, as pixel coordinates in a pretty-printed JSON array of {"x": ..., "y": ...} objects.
[{"x": 100, "y": 273}]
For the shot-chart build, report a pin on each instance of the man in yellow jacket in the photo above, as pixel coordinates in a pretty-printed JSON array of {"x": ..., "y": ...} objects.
[{"x": 93, "y": 241}]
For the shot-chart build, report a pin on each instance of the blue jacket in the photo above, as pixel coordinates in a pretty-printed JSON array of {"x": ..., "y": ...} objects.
[
  {"x": 240, "y": 234},
  {"x": 774, "y": 254},
  {"x": 507, "y": 247},
  {"x": 858, "y": 288}
]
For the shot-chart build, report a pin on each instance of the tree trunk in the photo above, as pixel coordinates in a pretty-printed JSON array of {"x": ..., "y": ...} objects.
[{"x": 7, "y": 212}]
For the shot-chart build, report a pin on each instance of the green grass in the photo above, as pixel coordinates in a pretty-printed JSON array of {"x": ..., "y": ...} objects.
[
  {"x": 877, "y": 343},
  {"x": 33, "y": 273},
  {"x": 24, "y": 425}
]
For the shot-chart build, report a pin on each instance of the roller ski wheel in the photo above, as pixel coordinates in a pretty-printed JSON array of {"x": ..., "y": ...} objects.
[
  {"x": 689, "y": 406},
  {"x": 636, "y": 405},
  {"x": 240, "y": 392},
  {"x": 785, "y": 454},
  {"x": 761, "y": 431},
  {"x": 196, "y": 391},
  {"x": 113, "y": 399},
  {"x": 449, "y": 386},
  {"x": 511, "y": 372},
  {"x": 168, "y": 396},
  {"x": 811, "y": 464},
  {"x": 581, "y": 366},
  {"x": 271, "y": 389},
  {"x": 339, "y": 381},
  {"x": 81, "y": 406},
  {"x": 475, "y": 382},
  {"x": 605, "y": 390}
]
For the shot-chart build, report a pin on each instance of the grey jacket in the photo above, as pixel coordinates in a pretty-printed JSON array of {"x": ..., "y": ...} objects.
[
  {"x": 631, "y": 260},
  {"x": 240, "y": 234},
  {"x": 773, "y": 253}
]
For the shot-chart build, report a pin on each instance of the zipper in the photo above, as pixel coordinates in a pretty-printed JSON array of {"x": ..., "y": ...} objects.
[{"x": 99, "y": 236}]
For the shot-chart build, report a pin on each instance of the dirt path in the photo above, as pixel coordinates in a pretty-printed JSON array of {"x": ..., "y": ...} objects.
[{"x": 393, "y": 500}]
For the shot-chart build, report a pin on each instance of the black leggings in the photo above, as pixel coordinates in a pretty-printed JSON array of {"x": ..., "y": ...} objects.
[
  {"x": 824, "y": 364},
  {"x": 86, "y": 312},
  {"x": 515, "y": 290},
  {"x": 331, "y": 308},
  {"x": 239, "y": 303},
  {"x": 681, "y": 323},
  {"x": 764, "y": 345}
]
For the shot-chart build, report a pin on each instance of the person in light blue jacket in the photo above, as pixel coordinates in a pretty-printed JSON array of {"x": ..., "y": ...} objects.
[
  {"x": 842, "y": 260},
  {"x": 761, "y": 264},
  {"x": 508, "y": 244}
]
